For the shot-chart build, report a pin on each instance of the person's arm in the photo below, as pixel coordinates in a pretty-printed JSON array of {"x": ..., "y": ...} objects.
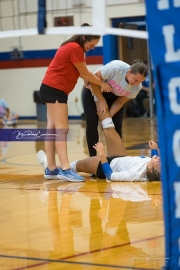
[
  {"x": 154, "y": 148},
  {"x": 86, "y": 83},
  {"x": 117, "y": 105},
  {"x": 104, "y": 163},
  {"x": 96, "y": 89},
  {"x": 89, "y": 76}
]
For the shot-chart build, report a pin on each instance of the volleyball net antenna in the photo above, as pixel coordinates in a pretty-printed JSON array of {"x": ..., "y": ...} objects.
[{"x": 20, "y": 18}]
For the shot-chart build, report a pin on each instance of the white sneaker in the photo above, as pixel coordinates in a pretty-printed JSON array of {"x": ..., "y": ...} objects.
[{"x": 42, "y": 159}]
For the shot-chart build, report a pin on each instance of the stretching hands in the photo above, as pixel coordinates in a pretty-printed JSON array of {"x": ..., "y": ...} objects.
[{"x": 99, "y": 149}]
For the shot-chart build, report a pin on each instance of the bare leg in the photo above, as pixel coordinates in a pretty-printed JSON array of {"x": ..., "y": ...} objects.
[
  {"x": 50, "y": 145},
  {"x": 115, "y": 146},
  {"x": 59, "y": 117},
  {"x": 88, "y": 165}
]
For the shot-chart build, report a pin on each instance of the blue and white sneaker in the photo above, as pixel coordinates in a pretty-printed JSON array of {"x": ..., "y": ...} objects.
[
  {"x": 51, "y": 174},
  {"x": 70, "y": 175}
]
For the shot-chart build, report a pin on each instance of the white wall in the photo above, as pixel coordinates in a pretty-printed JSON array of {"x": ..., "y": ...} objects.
[{"x": 17, "y": 85}]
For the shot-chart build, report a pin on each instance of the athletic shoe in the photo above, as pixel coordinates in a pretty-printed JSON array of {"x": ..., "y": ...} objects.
[
  {"x": 69, "y": 188},
  {"x": 70, "y": 175},
  {"x": 42, "y": 159},
  {"x": 51, "y": 174},
  {"x": 44, "y": 188}
]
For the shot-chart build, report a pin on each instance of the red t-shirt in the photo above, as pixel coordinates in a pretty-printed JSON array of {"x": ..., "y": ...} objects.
[{"x": 62, "y": 73}]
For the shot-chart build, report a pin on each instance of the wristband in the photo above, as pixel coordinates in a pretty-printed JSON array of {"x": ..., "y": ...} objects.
[
  {"x": 107, "y": 170},
  {"x": 154, "y": 152}
]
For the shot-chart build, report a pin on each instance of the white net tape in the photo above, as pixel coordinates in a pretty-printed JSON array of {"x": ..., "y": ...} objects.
[
  {"x": 76, "y": 30},
  {"x": 19, "y": 18}
]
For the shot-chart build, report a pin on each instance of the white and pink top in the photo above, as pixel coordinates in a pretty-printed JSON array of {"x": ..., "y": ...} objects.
[{"x": 114, "y": 73}]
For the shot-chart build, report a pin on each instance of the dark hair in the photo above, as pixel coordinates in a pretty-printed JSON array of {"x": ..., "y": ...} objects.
[
  {"x": 153, "y": 175},
  {"x": 81, "y": 39},
  {"x": 139, "y": 67}
]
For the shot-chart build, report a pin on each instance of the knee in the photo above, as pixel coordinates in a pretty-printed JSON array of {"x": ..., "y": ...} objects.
[{"x": 61, "y": 134}]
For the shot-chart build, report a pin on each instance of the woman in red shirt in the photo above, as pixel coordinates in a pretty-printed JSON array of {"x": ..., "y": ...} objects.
[{"x": 60, "y": 79}]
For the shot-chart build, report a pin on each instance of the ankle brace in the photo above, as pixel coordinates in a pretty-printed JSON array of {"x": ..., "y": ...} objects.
[
  {"x": 107, "y": 123},
  {"x": 95, "y": 98}
]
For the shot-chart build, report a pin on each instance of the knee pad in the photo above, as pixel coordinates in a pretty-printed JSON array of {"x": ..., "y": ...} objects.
[{"x": 107, "y": 123}]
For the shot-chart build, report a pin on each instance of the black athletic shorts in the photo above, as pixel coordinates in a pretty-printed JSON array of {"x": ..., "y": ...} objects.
[
  {"x": 49, "y": 94},
  {"x": 99, "y": 172}
]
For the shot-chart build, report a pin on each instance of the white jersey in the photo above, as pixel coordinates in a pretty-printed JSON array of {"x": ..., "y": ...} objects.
[
  {"x": 114, "y": 73},
  {"x": 129, "y": 168},
  {"x": 133, "y": 192}
]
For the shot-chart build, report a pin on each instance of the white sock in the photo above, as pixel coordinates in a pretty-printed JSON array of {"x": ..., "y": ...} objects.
[
  {"x": 107, "y": 123},
  {"x": 73, "y": 165}
]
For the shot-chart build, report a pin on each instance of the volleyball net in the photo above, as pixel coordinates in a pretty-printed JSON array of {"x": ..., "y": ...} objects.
[{"x": 25, "y": 18}]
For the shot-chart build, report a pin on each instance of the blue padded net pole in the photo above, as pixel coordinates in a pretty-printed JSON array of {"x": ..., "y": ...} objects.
[{"x": 41, "y": 16}]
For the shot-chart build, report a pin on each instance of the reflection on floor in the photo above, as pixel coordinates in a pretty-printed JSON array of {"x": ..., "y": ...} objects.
[{"x": 91, "y": 225}]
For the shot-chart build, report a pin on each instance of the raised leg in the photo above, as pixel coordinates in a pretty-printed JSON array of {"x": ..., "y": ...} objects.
[{"x": 115, "y": 146}]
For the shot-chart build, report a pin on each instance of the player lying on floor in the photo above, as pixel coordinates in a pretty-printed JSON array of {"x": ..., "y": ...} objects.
[{"x": 118, "y": 165}]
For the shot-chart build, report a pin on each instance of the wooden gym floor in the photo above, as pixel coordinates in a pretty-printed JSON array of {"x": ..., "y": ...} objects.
[{"x": 91, "y": 225}]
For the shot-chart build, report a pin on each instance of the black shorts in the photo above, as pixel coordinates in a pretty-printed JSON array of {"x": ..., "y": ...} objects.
[
  {"x": 49, "y": 94},
  {"x": 99, "y": 173}
]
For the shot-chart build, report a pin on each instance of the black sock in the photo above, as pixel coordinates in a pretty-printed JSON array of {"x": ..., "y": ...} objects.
[{"x": 65, "y": 170}]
